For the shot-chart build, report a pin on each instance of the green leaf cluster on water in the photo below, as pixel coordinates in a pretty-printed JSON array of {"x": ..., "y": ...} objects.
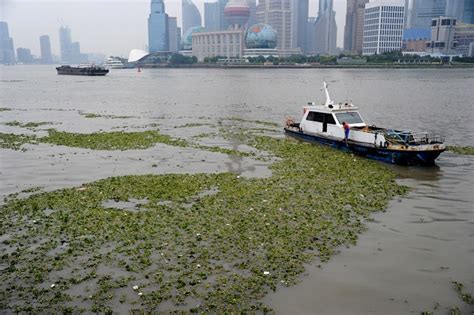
[
  {"x": 466, "y": 297},
  {"x": 210, "y": 243},
  {"x": 14, "y": 141},
  {"x": 464, "y": 150},
  {"x": 5, "y": 109},
  {"x": 115, "y": 140},
  {"x": 16, "y": 123},
  {"x": 94, "y": 115}
]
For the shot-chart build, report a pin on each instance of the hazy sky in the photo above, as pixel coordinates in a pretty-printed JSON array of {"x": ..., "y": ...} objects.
[{"x": 108, "y": 27}]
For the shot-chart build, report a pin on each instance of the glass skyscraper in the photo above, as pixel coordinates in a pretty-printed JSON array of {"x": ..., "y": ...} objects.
[
  {"x": 191, "y": 15},
  {"x": 45, "y": 45},
  {"x": 158, "y": 30},
  {"x": 212, "y": 16},
  {"x": 7, "y": 53},
  {"x": 425, "y": 10}
]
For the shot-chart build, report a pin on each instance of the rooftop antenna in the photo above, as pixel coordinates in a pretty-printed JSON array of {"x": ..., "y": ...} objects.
[{"x": 328, "y": 103}]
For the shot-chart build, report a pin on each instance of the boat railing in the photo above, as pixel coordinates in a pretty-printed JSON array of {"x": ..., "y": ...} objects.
[{"x": 412, "y": 138}]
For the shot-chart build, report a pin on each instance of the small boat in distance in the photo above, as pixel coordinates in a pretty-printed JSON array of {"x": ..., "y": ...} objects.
[
  {"x": 114, "y": 63},
  {"x": 82, "y": 70},
  {"x": 324, "y": 124}
]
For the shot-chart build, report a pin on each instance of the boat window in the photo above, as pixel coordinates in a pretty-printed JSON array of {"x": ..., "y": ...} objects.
[
  {"x": 350, "y": 118},
  {"x": 329, "y": 119},
  {"x": 315, "y": 116}
]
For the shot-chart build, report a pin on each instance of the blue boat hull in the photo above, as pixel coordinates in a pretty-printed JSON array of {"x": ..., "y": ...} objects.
[{"x": 400, "y": 157}]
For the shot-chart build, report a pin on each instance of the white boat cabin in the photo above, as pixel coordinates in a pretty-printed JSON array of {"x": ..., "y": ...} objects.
[{"x": 327, "y": 121}]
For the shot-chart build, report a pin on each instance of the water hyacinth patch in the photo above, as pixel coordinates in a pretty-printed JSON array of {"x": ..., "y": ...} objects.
[
  {"x": 14, "y": 141},
  {"x": 115, "y": 140},
  {"x": 199, "y": 252},
  {"x": 464, "y": 150}
]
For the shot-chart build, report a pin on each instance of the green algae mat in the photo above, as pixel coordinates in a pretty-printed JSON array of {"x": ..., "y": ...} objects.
[{"x": 203, "y": 243}]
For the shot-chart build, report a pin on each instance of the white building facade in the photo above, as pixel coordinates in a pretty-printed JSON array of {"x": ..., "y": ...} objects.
[
  {"x": 383, "y": 26},
  {"x": 229, "y": 44}
]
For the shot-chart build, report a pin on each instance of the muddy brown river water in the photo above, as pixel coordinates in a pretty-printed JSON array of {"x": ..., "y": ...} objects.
[{"x": 404, "y": 263}]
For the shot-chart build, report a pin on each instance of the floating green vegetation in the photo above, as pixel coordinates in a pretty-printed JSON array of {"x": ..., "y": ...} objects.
[
  {"x": 260, "y": 122},
  {"x": 14, "y": 141},
  {"x": 16, "y": 123},
  {"x": 464, "y": 150},
  {"x": 208, "y": 243},
  {"x": 189, "y": 125},
  {"x": 5, "y": 109},
  {"x": 224, "y": 150},
  {"x": 115, "y": 140},
  {"x": 466, "y": 297},
  {"x": 93, "y": 115}
]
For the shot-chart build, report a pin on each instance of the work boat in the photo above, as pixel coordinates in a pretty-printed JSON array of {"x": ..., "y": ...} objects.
[{"x": 324, "y": 124}]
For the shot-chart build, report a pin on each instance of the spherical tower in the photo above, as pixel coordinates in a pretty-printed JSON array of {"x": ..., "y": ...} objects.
[
  {"x": 237, "y": 13},
  {"x": 261, "y": 36}
]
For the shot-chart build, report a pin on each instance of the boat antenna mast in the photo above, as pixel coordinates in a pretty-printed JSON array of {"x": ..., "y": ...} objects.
[{"x": 328, "y": 103}]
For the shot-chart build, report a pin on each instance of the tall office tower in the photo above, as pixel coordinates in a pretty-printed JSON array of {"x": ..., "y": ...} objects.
[
  {"x": 354, "y": 30},
  {"x": 253, "y": 12},
  {"x": 24, "y": 55},
  {"x": 191, "y": 15},
  {"x": 7, "y": 52},
  {"x": 424, "y": 11},
  {"x": 279, "y": 15},
  {"x": 462, "y": 10},
  {"x": 468, "y": 12},
  {"x": 65, "y": 44},
  {"x": 178, "y": 31},
  {"x": 301, "y": 19},
  {"x": 173, "y": 34},
  {"x": 223, "y": 24},
  {"x": 383, "y": 26},
  {"x": 45, "y": 45},
  {"x": 310, "y": 33},
  {"x": 211, "y": 16},
  {"x": 325, "y": 29},
  {"x": 158, "y": 27}
]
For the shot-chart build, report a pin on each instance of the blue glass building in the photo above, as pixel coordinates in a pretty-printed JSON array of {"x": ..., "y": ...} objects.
[{"x": 158, "y": 27}]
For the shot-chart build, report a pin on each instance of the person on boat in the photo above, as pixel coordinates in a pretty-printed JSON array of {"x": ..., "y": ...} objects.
[{"x": 346, "y": 131}]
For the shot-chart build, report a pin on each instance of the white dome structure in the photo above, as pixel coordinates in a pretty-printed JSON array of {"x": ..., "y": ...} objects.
[{"x": 137, "y": 54}]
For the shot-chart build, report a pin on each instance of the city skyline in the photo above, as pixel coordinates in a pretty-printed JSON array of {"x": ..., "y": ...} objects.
[{"x": 103, "y": 39}]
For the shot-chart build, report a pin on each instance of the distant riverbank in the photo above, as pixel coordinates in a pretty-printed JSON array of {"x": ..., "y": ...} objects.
[{"x": 315, "y": 66}]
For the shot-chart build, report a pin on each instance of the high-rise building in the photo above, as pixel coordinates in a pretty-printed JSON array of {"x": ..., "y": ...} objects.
[
  {"x": 462, "y": 10},
  {"x": 24, "y": 55},
  {"x": 223, "y": 24},
  {"x": 325, "y": 29},
  {"x": 65, "y": 44},
  {"x": 7, "y": 52},
  {"x": 310, "y": 33},
  {"x": 464, "y": 38},
  {"x": 173, "y": 44},
  {"x": 45, "y": 46},
  {"x": 354, "y": 30},
  {"x": 253, "y": 12},
  {"x": 301, "y": 19},
  {"x": 212, "y": 16},
  {"x": 279, "y": 15},
  {"x": 173, "y": 34},
  {"x": 190, "y": 14},
  {"x": 423, "y": 11},
  {"x": 70, "y": 51},
  {"x": 442, "y": 36},
  {"x": 384, "y": 21},
  {"x": 158, "y": 31}
]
